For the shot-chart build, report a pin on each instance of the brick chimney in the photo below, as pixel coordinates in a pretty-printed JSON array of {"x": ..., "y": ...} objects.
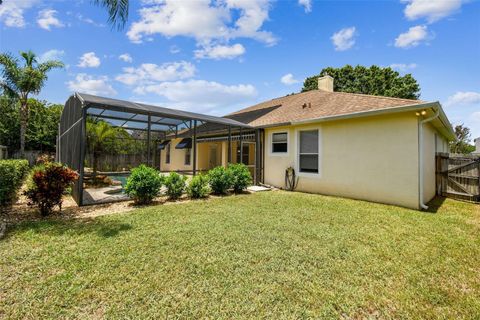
[{"x": 325, "y": 83}]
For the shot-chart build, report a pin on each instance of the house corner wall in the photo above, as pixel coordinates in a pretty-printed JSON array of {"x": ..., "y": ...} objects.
[
  {"x": 370, "y": 158},
  {"x": 433, "y": 142}
]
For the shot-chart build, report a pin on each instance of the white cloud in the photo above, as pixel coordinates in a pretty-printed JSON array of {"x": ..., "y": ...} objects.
[
  {"x": 91, "y": 84},
  {"x": 53, "y": 54},
  {"x": 463, "y": 98},
  {"x": 220, "y": 52},
  {"x": 413, "y": 37},
  {"x": 89, "y": 60},
  {"x": 288, "y": 79},
  {"x": 203, "y": 20},
  {"x": 307, "y": 4},
  {"x": 403, "y": 67},
  {"x": 476, "y": 117},
  {"x": 174, "y": 49},
  {"x": 11, "y": 12},
  {"x": 149, "y": 73},
  {"x": 89, "y": 21},
  {"x": 46, "y": 19},
  {"x": 473, "y": 122},
  {"x": 432, "y": 10},
  {"x": 201, "y": 95},
  {"x": 344, "y": 39},
  {"x": 126, "y": 57}
]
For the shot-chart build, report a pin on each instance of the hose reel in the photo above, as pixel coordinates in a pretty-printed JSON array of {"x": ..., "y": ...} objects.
[{"x": 291, "y": 180}]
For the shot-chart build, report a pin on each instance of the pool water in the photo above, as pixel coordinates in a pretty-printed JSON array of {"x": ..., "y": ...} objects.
[{"x": 121, "y": 178}]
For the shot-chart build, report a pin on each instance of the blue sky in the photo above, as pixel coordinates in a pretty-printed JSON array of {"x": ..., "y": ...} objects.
[{"x": 216, "y": 57}]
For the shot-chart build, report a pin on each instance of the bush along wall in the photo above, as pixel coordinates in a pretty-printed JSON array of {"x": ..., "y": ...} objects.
[
  {"x": 220, "y": 179},
  {"x": 198, "y": 187},
  {"x": 241, "y": 177},
  {"x": 144, "y": 184},
  {"x": 12, "y": 174},
  {"x": 175, "y": 184}
]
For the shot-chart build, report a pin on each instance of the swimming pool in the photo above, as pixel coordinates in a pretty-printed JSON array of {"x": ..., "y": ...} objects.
[{"x": 121, "y": 178}]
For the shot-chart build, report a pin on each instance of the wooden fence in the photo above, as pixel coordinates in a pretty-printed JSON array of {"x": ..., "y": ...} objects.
[
  {"x": 116, "y": 162},
  {"x": 458, "y": 176}
]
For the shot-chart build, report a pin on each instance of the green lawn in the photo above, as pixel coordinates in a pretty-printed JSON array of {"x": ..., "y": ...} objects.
[{"x": 265, "y": 255}]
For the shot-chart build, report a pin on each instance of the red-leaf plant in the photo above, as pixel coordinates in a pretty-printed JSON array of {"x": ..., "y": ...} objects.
[{"x": 49, "y": 184}]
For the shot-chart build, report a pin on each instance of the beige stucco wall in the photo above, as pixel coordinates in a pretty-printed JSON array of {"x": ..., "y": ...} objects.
[
  {"x": 204, "y": 163},
  {"x": 177, "y": 158},
  {"x": 433, "y": 142},
  {"x": 428, "y": 162},
  {"x": 371, "y": 158}
]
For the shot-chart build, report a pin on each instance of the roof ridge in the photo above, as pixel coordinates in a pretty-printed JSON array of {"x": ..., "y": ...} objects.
[{"x": 373, "y": 96}]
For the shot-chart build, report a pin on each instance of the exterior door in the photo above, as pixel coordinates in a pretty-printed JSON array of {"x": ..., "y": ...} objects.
[
  {"x": 213, "y": 157},
  {"x": 247, "y": 156}
]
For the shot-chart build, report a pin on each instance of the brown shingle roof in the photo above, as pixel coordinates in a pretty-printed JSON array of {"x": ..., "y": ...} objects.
[{"x": 314, "y": 104}]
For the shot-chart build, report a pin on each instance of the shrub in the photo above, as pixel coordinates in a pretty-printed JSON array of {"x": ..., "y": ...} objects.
[
  {"x": 48, "y": 184},
  {"x": 241, "y": 176},
  {"x": 198, "y": 187},
  {"x": 144, "y": 184},
  {"x": 12, "y": 174},
  {"x": 44, "y": 158},
  {"x": 175, "y": 184},
  {"x": 220, "y": 180}
]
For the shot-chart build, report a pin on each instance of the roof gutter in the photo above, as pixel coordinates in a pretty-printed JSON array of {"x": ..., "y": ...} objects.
[{"x": 421, "y": 156}]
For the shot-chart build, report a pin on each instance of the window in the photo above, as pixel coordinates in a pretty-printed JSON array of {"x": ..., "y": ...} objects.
[
  {"x": 187, "y": 156},
  {"x": 245, "y": 154},
  {"x": 167, "y": 154},
  {"x": 280, "y": 142},
  {"x": 308, "y": 153}
]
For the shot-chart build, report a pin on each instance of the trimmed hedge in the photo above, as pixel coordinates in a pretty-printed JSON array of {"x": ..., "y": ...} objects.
[
  {"x": 220, "y": 179},
  {"x": 198, "y": 187},
  {"x": 175, "y": 184},
  {"x": 12, "y": 174},
  {"x": 241, "y": 177},
  {"x": 144, "y": 184}
]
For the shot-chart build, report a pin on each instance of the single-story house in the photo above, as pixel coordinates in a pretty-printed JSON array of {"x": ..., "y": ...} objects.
[{"x": 367, "y": 147}]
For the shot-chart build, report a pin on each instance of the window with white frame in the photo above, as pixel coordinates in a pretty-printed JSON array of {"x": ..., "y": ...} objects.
[
  {"x": 280, "y": 142},
  {"x": 308, "y": 151}
]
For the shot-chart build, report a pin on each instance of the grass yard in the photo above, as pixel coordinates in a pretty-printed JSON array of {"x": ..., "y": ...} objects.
[{"x": 265, "y": 255}]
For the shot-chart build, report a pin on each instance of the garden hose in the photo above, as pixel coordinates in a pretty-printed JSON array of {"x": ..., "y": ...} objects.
[{"x": 291, "y": 179}]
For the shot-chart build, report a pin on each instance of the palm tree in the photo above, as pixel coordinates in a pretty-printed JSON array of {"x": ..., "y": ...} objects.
[
  {"x": 117, "y": 11},
  {"x": 18, "y": 82},
  {"x": 99, "y": 135}
]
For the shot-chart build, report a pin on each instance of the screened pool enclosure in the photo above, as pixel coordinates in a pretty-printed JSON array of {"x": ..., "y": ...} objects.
[{"x": 104, "y": 138}]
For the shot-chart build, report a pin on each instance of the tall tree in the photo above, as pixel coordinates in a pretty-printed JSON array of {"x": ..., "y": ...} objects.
[
  {"x": 42, "y": 128},
  {"x": 18, "y": 82},
  {"x": 372, "y": 80},
  {"x": 117, "y": 11},
  {"x": 461, "y": 143}
]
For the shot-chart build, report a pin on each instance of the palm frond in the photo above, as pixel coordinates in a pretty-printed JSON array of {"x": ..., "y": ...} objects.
[
  {"x": 29, "y": 56},
  {"x": 117, "y": 11},
  {"x": 49, "y": 65},
  {"x": 8, "y": 91},
  {"x": 11, "y": 71}
]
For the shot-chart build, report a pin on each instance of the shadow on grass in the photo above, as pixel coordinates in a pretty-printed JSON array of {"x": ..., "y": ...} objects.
[
  {"x": 435, "y": 204},
  {"x": 104, "y": 229}
]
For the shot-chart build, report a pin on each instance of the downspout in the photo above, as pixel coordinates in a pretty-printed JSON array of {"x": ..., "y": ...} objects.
[{"x": 420, "y": 156}]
